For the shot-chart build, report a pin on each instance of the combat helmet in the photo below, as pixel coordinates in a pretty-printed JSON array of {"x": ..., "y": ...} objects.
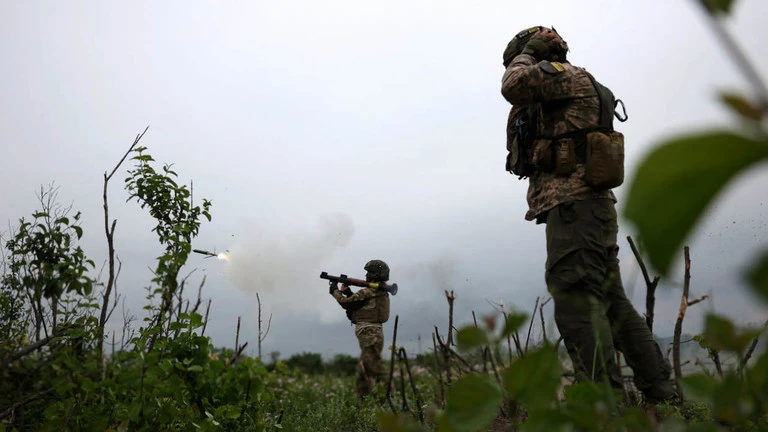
[
  {"x": 378, "y": 269},
  {"x": 516, "y": 45}
]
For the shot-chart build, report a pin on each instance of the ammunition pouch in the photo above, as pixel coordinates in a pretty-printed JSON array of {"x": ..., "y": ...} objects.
[
  {"x": 605, "y": 159},
  {"x": 543, "y": 157},
  {"x": 558, "y": 156}
]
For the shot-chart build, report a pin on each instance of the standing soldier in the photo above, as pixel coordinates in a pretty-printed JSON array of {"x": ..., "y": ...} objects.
[
  {"x": 560, "y": 135},
  {"x": 368, "y": 309}
]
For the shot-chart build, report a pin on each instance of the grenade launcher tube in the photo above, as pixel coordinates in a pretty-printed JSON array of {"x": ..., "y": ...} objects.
[{"x": 390, "y": 288}]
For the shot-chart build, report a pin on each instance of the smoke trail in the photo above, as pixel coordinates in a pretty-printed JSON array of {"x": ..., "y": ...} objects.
[{"x": 284, "y": 269}]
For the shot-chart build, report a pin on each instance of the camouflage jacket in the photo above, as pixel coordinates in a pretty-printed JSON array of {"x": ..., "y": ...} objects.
[
  {"x": 569, "y": 102},
  {"x": 366, "y": 305}
]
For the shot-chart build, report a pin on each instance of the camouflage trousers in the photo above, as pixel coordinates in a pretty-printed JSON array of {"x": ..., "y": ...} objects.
[
  {"x": 592, "y": 311},
  {"x": 370, "y": 368}
]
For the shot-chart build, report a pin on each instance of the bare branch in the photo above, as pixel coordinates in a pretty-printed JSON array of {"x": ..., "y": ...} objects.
[
  {"x": 392, "y": 366},
  {"x": 680, "y": 317},
  {"x": 110, "y": 234},
  {"x": 7, "y": 413},
  {"x": 450, "y": 297},
  {"x": 541, "y": 314},
  {"x": 205, "y": 320},
  {"x": 530, "y": 325},
  {"x": 738, "y": 56},
  {"x": 650, "y": 296}
]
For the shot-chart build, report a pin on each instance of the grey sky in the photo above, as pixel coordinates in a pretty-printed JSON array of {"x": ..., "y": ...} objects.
[{"x": 330, "y": 133}]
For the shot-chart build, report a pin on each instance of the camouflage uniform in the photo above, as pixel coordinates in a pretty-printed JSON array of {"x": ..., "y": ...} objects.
[
  {"x": 368, "y": 309},
  {"x": 592, "y": 312}
]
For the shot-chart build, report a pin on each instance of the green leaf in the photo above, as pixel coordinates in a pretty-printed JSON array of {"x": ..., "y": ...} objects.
[
  {"x": 718, "y": 6},
  {"x": 722, "y": 335},
  {"x": 398, "y": 423},
  {"x": 742, "y": 106},
  {"x": 758, "y": 276},
  {"x": 78, "y": 231},
  {"x": 550, "y": 420},
  {"x": 677, "y": 181},
  {"x": 732, "y": 401},
  {"x": 699, "y": 387},
  {"x": 535, "y": 378},
  {"x": 513, "y": 322},
  {"x": 470, "y": 337},
  {"x": 473, "y": 403}
]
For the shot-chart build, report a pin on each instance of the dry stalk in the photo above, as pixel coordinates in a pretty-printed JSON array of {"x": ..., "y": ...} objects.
[
  {"x": 205, "y": 320},
  {"x": 650, "y": 296},
  {"x": 441, "y": 393},
  {"x": 541, "y": 314},
  {"x": 450, "y": 297},
  {"x": 684, "y": 303},
  {"x": 110, "y": 233},
  {"x": 530, "y": 325},
  {"x": 392, "y": 366},
  {"x": 404, "y": 359}
]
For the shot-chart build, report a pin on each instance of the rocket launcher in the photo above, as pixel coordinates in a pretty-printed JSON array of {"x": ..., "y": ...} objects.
[{"x": 390, "y": 288}]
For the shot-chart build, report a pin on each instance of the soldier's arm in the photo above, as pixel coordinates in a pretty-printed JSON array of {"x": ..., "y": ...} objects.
[
  {"x": 526, "y": 82},
  {"x": 355, "y": 300}
]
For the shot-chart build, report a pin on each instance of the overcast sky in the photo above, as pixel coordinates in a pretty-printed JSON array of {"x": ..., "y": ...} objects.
[{"x": 330, "y": 133}]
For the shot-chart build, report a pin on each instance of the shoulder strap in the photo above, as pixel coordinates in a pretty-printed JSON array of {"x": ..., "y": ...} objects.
[{"x": 607, "y": 99}]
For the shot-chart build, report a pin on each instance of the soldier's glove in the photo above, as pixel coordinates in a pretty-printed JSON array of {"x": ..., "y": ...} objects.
[
  {"x": 332, "y": 286},
  {"x": 539, "y": 47},
  {"x": 546, "y": 44}
]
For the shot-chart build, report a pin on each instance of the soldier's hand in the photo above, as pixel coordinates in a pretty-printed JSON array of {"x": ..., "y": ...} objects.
[
  {"x": 539, "y": 47},
  {"x": 344, "y": 287},
  {"x": 332, "y": 286}
]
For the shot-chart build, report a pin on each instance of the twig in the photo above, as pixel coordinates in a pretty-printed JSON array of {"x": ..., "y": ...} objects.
[
  {"x": 715, "y": 355},
  {"x": 748, "y": 354},
  {"x": 698, "y": 300},
  {"x": 392, "y": 366},
  {"x": 738, "y": 56},
  {"x": 23, "y": 402},
  {"x": 404, "y": 406},
  {"x": 29, "y": 348},
  {"x": 237, "y": 341},
  {"x": 205, "y": 320},
  {"x": 680, "y": 317},
  {"x": 446, "y": 358},
  {"x": 541, "y": 313},
  {"x": 518, "y": 345},
  {"x": 439, "y": 374},
  {"x": 199, "y": 294},
  {"x": 509, "y": 339},
  {"x": 110, "y": 233},
  {"x": 450, "y": 297},
  {"x": 530, "y": 325},
  {"x": 404, "y": 359},
  {"x": 650, "y": 296}
]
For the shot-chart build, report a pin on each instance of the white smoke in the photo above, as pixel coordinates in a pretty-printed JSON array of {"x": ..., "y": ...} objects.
[{"x": 284, "y": 268}]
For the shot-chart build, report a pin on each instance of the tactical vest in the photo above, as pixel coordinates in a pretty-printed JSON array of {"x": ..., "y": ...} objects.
[
  {"x": 600, "y": 148},
  {"x": 374, "y": 310}
]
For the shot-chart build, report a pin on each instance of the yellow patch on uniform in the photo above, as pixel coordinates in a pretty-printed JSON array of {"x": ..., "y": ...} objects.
[{"x": 551, "y": 67}]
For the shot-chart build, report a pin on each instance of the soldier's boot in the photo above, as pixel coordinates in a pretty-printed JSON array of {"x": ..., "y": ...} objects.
[{"x": 633, "y": 337}]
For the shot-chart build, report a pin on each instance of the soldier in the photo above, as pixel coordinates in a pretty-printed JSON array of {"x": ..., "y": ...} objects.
[
  {"x": 561, "y": 137},
  {"x": 367, "y": 309}
]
